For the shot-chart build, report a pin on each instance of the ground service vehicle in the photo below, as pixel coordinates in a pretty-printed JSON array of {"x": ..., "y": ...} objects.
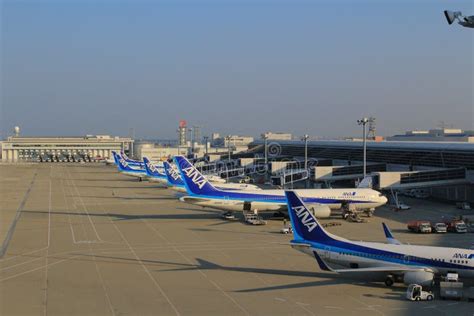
[
  {"x": 439, "y": 228},
  {"x": 419, "y": 226},
  {"x": 415, "y": 293},
  {"x": 451, "y": 290},
  {"x": 457, "y": 226},
  {"x": 463, "y": 205}
]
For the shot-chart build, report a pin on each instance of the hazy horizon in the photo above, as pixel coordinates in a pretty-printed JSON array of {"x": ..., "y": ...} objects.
[{"x": 233, "y": 67}]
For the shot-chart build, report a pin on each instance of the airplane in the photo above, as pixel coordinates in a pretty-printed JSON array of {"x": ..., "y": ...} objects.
[
  {"x": 202, "y": 192},
  {"x": 128, "y": 170},
  {"x": 175, "y": 181},
  {"x": 466, "y": 21},
  {"x": 154, "y": 173},
  {"x": 378, "y": 261},
  {"x": 131, "y": 162},
  {"x": 116, "y": 156}
]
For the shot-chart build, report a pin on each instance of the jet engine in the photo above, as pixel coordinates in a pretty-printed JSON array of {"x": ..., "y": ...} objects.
[
  {"x": 319, "y": 210},
  {"x": 423, "y": 278}
]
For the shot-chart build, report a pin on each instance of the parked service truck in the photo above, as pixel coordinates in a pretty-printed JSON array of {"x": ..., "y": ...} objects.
[
  {"x": 457, "y": 226},
  {"x": 463, "y": 205},
  {"x": 419, "y": 226},
  {"x": 439, "y": 228}
]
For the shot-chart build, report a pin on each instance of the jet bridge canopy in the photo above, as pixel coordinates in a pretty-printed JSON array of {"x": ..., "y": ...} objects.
[
  {"x": 419, "y": 179},
  {"x": 334, "y": 173}
]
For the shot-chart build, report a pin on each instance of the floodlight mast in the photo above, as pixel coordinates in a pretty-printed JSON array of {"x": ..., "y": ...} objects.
[{"x": 364, "y": 122}]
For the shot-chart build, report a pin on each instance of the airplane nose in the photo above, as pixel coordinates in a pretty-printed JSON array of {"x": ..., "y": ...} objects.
[{"x": 384, "y": 200}]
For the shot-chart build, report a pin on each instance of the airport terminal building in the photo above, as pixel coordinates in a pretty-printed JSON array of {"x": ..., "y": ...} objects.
[
  {"x": 445, "y": 169},
  {"x": 62, "y": 149}
]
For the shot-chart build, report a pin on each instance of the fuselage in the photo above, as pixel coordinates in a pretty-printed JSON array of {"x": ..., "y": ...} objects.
[
  {"x": 352, "y": 255},
  {"x": 134, "y": 173},
  {"x": 274, "y": 200}
]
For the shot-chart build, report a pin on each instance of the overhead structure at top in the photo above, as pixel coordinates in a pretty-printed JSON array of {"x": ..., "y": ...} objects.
[{"x": 452, "y": 16}]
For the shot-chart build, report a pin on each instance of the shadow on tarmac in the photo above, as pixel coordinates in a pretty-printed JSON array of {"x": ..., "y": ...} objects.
[
  {"x": 156, "y": 197},
  {"x": 123, "y": 217},
  {"x": 118, "y": 187}
]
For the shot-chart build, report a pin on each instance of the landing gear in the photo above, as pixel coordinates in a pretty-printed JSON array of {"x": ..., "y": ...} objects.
[
  {"x": 389, "y": 281},
  {"x": 369, "y": 212}
]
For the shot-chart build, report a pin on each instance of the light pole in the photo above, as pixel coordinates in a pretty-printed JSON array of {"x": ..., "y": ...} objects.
[
  {"x": 191, "y": 130},
  {"x": 305, "y": 138},
  {"x": 205, "y": 139},
  {"x": 364, "y": 122},
  {"x": 228, "y": 146},
  {"x": 265, "y": 138}
]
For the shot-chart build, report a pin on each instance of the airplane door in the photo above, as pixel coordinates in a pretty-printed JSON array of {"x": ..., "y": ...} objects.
[{"x": 247, "y": 206}]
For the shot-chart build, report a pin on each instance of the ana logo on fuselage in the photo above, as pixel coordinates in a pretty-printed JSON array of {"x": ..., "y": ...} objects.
[
  {"x": 196, "y": 178},
  {"x": 349, "y": 193},
  {"x": 306, "y": 218},
  {"x": 463, "y": 256}
]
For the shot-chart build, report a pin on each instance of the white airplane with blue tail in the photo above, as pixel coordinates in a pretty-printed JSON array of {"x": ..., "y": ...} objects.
[
  {"x": 154, "y": 172},
  {"x": 321, "y": 201},
  {"x": 175, "y": 181},
  {"x": 378, "y": 261},
  {"x": 125, "y": 168}
]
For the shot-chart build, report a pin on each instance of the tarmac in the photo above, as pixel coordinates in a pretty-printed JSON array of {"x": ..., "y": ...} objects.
[{"x": 85, "y": 240}]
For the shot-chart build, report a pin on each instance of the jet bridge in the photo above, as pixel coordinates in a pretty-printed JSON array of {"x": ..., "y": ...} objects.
[
  {"x": 335, "y": 173},
  {"x": 418, "y": 179}
]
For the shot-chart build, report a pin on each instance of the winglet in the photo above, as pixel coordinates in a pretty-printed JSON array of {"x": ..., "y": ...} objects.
[
  {"x": 389, "y": 236},
  {"x": 322, "y": 265}
]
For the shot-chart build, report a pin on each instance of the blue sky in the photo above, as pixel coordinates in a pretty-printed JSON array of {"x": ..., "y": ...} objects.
[{"x": 94, "y": 67}]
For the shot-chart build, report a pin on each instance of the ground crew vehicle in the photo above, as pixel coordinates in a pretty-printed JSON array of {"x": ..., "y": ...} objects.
[
  {"x": 451, "y": 290},
  {"x": 415, "y": 293},
  {"x": 463, "y": 205},
  {"x": 419, "y": 226},
  {"x": 439, "y": 228},
  {"x": 457, "y": 226}
]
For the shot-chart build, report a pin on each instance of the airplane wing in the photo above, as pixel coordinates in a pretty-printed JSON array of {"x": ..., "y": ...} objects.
[
  {"x": 388, "y": 268},
  {"x": 389, "y": 236}
]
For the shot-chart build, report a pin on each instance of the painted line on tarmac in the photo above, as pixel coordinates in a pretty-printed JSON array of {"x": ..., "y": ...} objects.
[{"x": 11, "y": 230}]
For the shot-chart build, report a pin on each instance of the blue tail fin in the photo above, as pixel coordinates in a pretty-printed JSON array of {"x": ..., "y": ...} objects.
[
  {"x": 174, "y": 178},
  {"x": 116, "y": 158},
  {"x": 131, "y": 162},
  {"x": 305, "y": 225},
  {"x": 389, "y": 236},
  {"x": 123, "y": 165},
  {"x": 152, "y": 170},
  {"x": 195, "y": 182}
]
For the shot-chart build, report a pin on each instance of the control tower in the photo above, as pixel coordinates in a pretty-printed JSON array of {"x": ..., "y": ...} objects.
[{"x": 182, "y": 133}]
